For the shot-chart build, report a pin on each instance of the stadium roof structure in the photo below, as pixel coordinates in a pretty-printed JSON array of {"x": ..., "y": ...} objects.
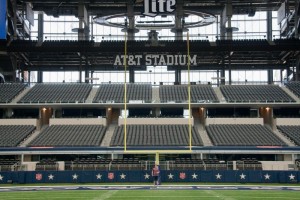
[
  {"x": 108, "y": 7},
  {"x": 90, "y": 55}
]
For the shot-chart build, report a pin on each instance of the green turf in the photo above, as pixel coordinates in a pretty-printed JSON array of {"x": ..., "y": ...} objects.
[{"x": 151, "y": 195}]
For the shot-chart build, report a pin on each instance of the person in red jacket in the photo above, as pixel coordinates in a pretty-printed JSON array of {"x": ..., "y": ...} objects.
[{"x": 155, "y": 174}]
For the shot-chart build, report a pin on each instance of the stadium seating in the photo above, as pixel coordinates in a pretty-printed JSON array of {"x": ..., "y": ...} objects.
[
  {"x": 9, "y": 164},
  {"x": 126, "y": 164},
  {"x": 13, "y": 135},
  {"x": 8, "y": 91},
  {"x": 292, "y": 132},
  {"x": 115, "y": 93},
  {"x": 199, "y": 164},
  {"x": 179, "y": 93},
  {"x": 70, "y": 135},
  {"x": 248, "y": 164},
  {"x": 294, "y": 87},
  {"x": 88, "y": 164},
  {"x": 156, "y": 135},
  {"x": 255, "y": 93},
  {"x": 57, "y": 93},
  {"x": 47, "y": 164},
  {"x": 242, "y": 135}
]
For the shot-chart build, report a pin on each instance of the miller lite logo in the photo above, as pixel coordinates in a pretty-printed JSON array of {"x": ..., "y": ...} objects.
[
  {"x": 38, "y": 177},
  {"x": 111, "y": 176},
  {"x": 155, "y": 7},
  {"x": 182, "y": 175}
]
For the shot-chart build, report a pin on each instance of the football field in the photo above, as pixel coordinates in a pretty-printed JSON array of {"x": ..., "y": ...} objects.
[{"x": 149, "y": 192}]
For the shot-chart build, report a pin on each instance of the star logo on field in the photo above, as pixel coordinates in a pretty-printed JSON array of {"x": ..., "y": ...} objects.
[
  {"x": 1, "y": 177},
  {"x": 170, "y": 176},
  {"x": 123, "y": 176},
  {"x": 267, "y": 176},
  {"x": 50, "y": 177},
  {"x": 194, "y": 176},
  {"x": 146, "y": 176},
  {"x": 75, "y": 176},
  {"x": 243, "y": 176},
  {"x": 292, "y": 177},
  {"x": 98, "y": 176},
  {"x": 218, "y": 176}
]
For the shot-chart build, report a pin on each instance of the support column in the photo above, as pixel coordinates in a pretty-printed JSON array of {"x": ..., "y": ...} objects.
[
  {"x": 297, "y": 71},
  {"x": 222, "y": 27},
  {"x": 297, "y": 17},
  {"x": 222, "y": 72},
  {"x": 269, "y": 38},
  {"x": 40, "y": 27},
  {"x": 80, "y": 69},
  {"x": 14, "y": 4},
  {"x": 131, "y": 26},
  {"x": 86, "y": 70},
  {"x": 229, "y": 70},
  {"x": 83, "y": 30},
  {"x": 40, "y": 39},
  {"x": 131, "y": 75},
  {"x": 40, "y": 76},
  {"x": 228, "y": 10},
  {"x": 179, "y": 21},
  {"x": 178, "y": 76}
]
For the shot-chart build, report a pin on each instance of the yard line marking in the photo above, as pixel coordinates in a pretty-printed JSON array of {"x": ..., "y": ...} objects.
[
  {"x": 106, "y": 195},
  {"x": 220, "y": 196}
]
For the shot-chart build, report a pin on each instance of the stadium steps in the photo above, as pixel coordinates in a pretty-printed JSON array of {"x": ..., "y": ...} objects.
[
  {"x": 30, "y": 138},
  {"x": 283, "y": 138},
  {"x": 108, "y": 135},
  {"x": 219, "y": 94},
  {"x": 203, "y": 134},
  {"x": 291, "y": 94},
  {"x": 92, "y": 95},
  {"x": 21, "y": 95},
  {"x": 155, "y": 95}
]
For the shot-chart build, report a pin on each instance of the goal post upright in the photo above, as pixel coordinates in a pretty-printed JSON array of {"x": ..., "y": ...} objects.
[{"x": 125, "y": 93}]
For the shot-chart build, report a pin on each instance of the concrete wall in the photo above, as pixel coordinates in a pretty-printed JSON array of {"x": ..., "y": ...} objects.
[
  {"x": 276, "y": 165},
  {"x": 234, "y": 121},
  {"x": 18, "y": 122},
  {"x": 78, "y": 121},
  {"x": 287, "y": 121},
  {"x": 140, "y": 121}
]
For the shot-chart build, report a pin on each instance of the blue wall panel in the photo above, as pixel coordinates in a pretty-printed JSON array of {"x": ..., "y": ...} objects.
[
  {"x": 145, "y": 176},
  {"x": 2, "y": 19}
]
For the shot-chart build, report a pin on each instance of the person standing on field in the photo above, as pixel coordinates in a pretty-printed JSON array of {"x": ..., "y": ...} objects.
[{"x": 155, "y": 174}]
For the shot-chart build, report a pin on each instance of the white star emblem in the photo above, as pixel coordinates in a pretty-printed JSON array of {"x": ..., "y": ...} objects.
[
  {"x": 147, "y": 176},
  {"x": 292, "y": 177},
  {"x": 98, "y": 176},
  {"x": 170, "y": 176},
  {"x": 75, "y": 176},
  {"x": 50, "y": 177},
  {"x": 194, "y": 176},
  {"x": 243, "y": 176},
  {"x": 123, "y": 176},
  {"x": 218, "y": 176},
  {"x": 267, "y": 177},
  {"x": 1, "y": 177}
]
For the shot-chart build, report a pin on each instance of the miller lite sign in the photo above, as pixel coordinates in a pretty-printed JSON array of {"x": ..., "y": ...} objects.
[{"x": 155, "y": 7}]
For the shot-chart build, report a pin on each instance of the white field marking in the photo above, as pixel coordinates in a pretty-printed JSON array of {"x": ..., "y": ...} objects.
[
  {"x": 106, "y": 195},
  {"x": 144, "y": 185},
  {"x": 219, "y": 196}
]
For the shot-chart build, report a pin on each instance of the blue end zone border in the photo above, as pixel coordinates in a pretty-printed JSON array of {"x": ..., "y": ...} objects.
[{"x": 143, "y": 187}]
